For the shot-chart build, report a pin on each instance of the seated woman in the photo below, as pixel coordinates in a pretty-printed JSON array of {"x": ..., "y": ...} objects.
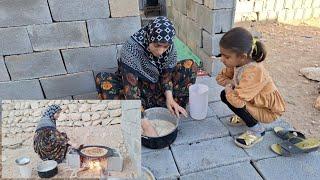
[
  {"x": 148, "y": 70},
  {"x": 49, "y": 143}
]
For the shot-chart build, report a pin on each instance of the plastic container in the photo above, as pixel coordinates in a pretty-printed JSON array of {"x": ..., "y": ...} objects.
[
  {"x": 24, "y": 167},
  {"x": 198, "y": 100}
]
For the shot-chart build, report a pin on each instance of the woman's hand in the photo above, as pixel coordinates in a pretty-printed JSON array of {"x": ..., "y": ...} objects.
[
  {"x": 173, "y": 106},
  {"x": 148, "y": 129}
]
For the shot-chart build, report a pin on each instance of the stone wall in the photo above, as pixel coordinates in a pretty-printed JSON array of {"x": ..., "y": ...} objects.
[
  {"x": 22, "y": 116},
  {"x": 280, "y": 10},
  {"x": 201, "y": 23},
  {"x": 51, "y": 49}
]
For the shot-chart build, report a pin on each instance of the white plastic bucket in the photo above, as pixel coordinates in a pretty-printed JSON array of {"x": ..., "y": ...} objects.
[{"x": 198, "y": 100}]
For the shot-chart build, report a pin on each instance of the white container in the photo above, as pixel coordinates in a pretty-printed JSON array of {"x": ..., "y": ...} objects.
[
  {"x": 198, "y": 100},
  {"x": 24, "y": 167},
  {"x": 73, "y": 159}
]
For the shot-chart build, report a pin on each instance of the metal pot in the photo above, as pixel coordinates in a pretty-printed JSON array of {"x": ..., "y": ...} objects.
[
  {"x": 160, "y": 141},
  {"x": 47, "y": 169}
]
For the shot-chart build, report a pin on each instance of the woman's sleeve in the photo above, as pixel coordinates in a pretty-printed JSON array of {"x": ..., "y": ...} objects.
[
  {"x": 166, "y": 80},
  {"x": 61, "y": 138},
  {"x": 225, "y": 76},
  {"x": 130, "y": 85}
]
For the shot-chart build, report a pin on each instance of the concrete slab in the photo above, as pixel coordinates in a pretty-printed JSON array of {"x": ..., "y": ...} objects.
[
  {"x": 196, "y": 131},
  {"x": 92, "y": 58},
  {"x": 220, "y": 109},
  {"x": 303, "y": 166},
  {"x": 207, "y": 154},
  {"x": 112, "y": 30},
  {"x": 145, "y": 150},
  {"x": 68, "y": 85},
  {"x": 14, "y": 41},
  {"x": 35, "y": 65},
  {"x": 262, "y": 149},
  {"x": 183, "y": 119},
  {"x": 61, "y": 35},
  {"x": 279, "y": 122},
  {"x": 19, "y": 13},
  {"x": 124, "y": 8},
  {"x": 4, "y": 76},
  {"x": 65, "y": 10},
  {"x": 88, "y": 96},
  {"x": 26, "y": 89},
  {"x": 161, "y": 163},
  {"x": 234, "y": 171},
  {"x": 233, "y": 130}
]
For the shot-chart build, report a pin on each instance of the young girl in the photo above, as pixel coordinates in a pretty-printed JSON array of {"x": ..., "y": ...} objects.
[{"x": 249, "y": 90}]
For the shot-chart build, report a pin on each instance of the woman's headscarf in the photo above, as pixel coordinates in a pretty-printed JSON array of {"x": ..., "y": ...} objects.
[
  {"x": 47, "y": 120},
  {"x": 51, "y": 110},
  {"x": 136, "y": 56}
]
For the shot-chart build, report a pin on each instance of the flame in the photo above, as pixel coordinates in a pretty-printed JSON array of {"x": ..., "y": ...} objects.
[{"x": 94, "y": 165}]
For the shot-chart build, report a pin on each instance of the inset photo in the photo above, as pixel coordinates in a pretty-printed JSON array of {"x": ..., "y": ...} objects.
[{"x": 71, "y": 139}]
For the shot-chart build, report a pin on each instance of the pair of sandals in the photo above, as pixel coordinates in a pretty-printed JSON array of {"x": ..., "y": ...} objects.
[{"x": 294, "y": 143}]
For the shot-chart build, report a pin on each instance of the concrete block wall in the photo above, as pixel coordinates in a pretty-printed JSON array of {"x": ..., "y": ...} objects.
[
  {"x": 20, "y": 117},
  {"x": 200, "y": 24},
  {"x": 51, "y": 49},
  {"x": 279, "y": 10}
]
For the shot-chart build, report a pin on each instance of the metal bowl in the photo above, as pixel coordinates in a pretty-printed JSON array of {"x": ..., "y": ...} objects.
[
  {"x": 165, "y": 140},
  {"x": 23, "y": 160},
  {"x": 47, "y": 169}
]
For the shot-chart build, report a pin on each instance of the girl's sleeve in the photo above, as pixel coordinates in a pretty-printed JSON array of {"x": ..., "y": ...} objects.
[
  {"x": 251, "y": 83},
  {"x": 130, "y": 85},
  {"x": 225, "y": 76}
]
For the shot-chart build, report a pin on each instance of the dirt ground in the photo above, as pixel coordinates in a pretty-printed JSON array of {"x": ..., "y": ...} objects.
[
  {"x": 109, "y": 136},
  {"x": 291, "y": 47}
]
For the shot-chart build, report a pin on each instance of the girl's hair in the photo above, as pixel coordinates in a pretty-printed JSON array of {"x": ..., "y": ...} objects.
[{"x": 241, "y": 41}]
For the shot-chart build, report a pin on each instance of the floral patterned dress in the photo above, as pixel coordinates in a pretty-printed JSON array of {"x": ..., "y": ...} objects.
[{"x": 125, "y": 85}]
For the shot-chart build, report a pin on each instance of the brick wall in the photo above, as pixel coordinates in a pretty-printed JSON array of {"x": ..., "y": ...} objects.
[
  {"x": 280, "y": 10},
  {"x": 22, "y": 116},
  {"x": 52, "y": 49}
]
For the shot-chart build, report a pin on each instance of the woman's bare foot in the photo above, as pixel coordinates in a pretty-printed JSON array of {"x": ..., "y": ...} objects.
[{"x": 148, "y": 129}]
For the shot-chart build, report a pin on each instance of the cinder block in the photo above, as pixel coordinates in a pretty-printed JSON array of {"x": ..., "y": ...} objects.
[
  {"x": 14, "y": 41},
  {"x": 289, "y": 15},
  {"x": 68, "y": 85},
  {"x": 124, "y": 8},
  {"x": 183, "y": 33},
  {"x": 35, "y": 65},
  {"x": 207, "y": 154},
  {"x": 316, "y": 12},
  {"x": 244, "y": 6},
  {"x": 161, "y": 164},
  {"x": 26, "y": 12},
  {"x": 193, "y": 34},
  {"x": 196, "y": 131},
  {"x": 298, "y": 15},
  {"x": 181, "y": 6},
  {"x": 279, "y": 5},
  {"x": 307, "y": 13},
  {"x": 145, "y": 150},
  {"x": 115, "y": 162},
  {"x": 191, "y": 9},
  {"x": 220, "y": 109},
  {"x": 113, "y": 30},
  {"x": 297, "y": 4},
  {"x": 58, "y": 36},
  {"x": 4, "y": 76},
  {"x": 272, "y": 15},
  {"x": 258, "y": 6},
  {"x": 234, "y": 131},
  {"x": 220, "y": 4},
  {"x": 288, "y": 4},
  {"x": 216, "y": 21},
  {"x": 92, "y": 58},
  {"x": 234, "y": 171},
  {"x": 316, "y": 4},
  {"x": 26, "y": 89},
  {"x": 270, "y": 4},
  {"x": 307, "y": 4},
  {"x": 65, "y": 10},
  {"x": 87, "y": 96},
  {"x": 199, "y": 1},
  {"x": 305, "y": 167},
  {"x": 208, "y": 63},
  {"x": 211, "y": 43}
]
